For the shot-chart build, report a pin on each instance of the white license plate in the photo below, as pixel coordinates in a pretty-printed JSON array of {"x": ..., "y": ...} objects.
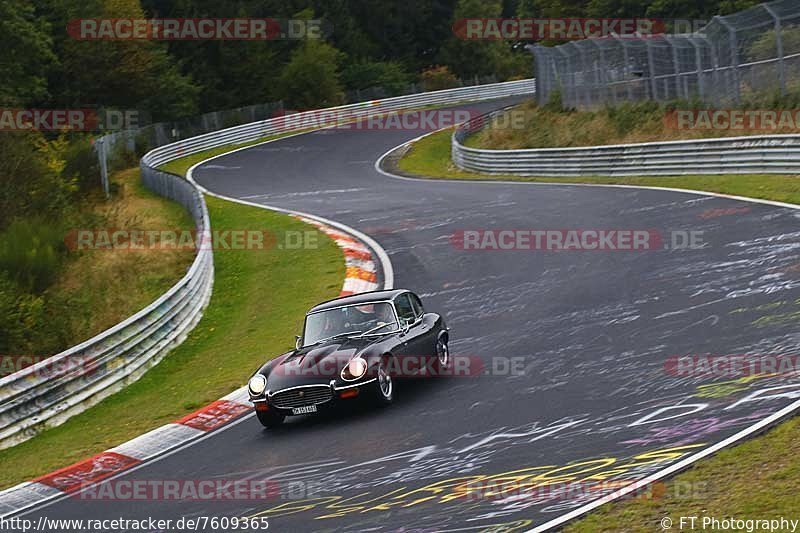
[{"x": 304, "y": 410}]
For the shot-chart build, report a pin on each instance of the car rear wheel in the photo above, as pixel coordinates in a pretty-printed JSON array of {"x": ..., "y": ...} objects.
[
  {"x": 442, "y": 354},
  {"x": 384, "y": 385},
  {"x": 270, "y": 419}
]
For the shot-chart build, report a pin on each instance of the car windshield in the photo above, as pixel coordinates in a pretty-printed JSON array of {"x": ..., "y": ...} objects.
[{"x": 372, "y": 319}]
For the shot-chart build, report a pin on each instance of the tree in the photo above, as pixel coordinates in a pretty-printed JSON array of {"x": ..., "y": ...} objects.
[
  {"x": 228, "y": 74},
  {"x": 470, "y": 58},
  {"x": 311, "y": 78},
  {"x": 387, "y": 74},
  {"x": 123, "y": 74},
  {"x": 27, "y": 54}
]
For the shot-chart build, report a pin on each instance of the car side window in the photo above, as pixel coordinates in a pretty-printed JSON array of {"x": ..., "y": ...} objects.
[
  {"x": 404, "y": 309},
  {"x": 417, "y": 304}
]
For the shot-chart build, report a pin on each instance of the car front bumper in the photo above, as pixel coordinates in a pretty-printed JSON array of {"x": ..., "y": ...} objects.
[{"x": 339, "y": 392}]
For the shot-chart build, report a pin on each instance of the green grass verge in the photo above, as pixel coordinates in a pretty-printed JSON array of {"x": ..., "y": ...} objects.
[
  {"x": 89, "y": 289},
  {"x": 97, "y": 288},
  {"x": 257, "y": 306},
  {"x": 759, "y": 478},
  {"x": 430, "y": 157},
  {"x": 530, "y": 125},
  {"x": 180, "y": 166}
]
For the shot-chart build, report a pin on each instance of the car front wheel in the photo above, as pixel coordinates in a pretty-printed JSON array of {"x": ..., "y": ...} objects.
[
  {"x": 384, "y": 385},
  {"x": 270, "y": 419},
  {"x": 442, "y": 354}
]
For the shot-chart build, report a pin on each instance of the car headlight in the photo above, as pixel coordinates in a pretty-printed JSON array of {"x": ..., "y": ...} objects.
[
  {"x": 257, "y": 384},
  {"x": 355, "y": 368}
]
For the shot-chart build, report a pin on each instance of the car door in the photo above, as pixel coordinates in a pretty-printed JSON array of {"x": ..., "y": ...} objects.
[
  {"x": 428, "y": 329},
  {"x": 412, "y": 343}
]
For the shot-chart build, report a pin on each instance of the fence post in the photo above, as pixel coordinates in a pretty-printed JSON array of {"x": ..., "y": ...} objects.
[
  {"x": 102, "y": 156},
  {"x": 605, "y": 77},
  {"x": 779, "y": 45},
  {"x": 676, "y": 67},
  {"x": 584, "y": 75},
  {"x": 737, "y": 94},
  {"x": 567, "y": 84},
  {"x": 544, "y": 68},
  {"x": 698, "y": 60},
  {"x": 625, "y": 66},
  {"x": 652, "y": 68}
]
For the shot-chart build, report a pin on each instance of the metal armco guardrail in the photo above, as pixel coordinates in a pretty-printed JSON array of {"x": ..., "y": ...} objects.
[
  {"x": 762, "y": 154},
  {"x": 48, "y": 393},
  {"x": 51, "y": 391},
  {"x": 273, "y": 126}
]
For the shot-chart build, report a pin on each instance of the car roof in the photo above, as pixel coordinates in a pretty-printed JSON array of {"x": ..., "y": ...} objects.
[{"x": 360, "y": 298}]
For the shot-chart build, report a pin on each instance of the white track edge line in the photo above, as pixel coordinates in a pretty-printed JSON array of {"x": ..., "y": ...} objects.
[
  {"x": 672, "y": 469},
  {"x": 695, "y": 192},
  {"x": 383, "y": 257},
  {"x": 35, "y": 506},
  {"x": 686, "y": 462}
]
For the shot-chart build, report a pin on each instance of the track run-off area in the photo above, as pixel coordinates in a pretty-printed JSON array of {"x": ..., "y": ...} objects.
[{"x": 578, "y": 385}]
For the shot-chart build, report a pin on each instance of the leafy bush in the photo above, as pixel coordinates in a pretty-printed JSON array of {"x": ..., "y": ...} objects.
[
  {"x": 24, "y": 321},
  {"x": 555, "y": 102},
  {"x": 32, "y": 174},
  {"x": 438, "y": 78},
  {"x": 387, "y": 74},
  {"x": 630, "y": 116},
  {"x": 31, "y": 252},
  {"x": 144, "y": 142},
  {"x": 81, "y": 163},
  {"x": 119, "y": 158}
]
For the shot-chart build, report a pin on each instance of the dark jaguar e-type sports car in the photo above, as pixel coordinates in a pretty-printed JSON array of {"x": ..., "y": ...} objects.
[{"x": 351, "y": 346}]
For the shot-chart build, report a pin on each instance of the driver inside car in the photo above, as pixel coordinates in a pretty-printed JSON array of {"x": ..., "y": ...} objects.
[{"x": 384, "y": 315}]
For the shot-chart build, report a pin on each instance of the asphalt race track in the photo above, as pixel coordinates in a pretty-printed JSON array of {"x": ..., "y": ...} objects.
[{"x": 592, "y": 399}]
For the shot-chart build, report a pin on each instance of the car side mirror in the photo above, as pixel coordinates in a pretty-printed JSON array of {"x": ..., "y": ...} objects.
[
  {"x": 406, "y": 327},
  {"x": 297, "y": 342}
]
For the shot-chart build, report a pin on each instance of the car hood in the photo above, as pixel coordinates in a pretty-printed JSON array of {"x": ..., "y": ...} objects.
[{"x": 316, "y": 364}]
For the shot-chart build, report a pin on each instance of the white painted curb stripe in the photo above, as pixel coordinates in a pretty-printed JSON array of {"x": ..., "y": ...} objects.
[
  {"x": 157, "y": 441},
  {"x": 170, "y": 438}
]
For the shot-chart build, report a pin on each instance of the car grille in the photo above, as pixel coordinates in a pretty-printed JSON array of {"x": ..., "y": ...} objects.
[{"x": 302, "y": 396}]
